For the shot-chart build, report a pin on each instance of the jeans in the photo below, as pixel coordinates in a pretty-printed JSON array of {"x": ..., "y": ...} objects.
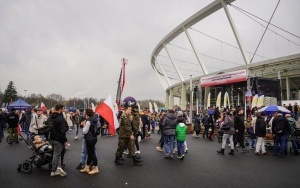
[
  {"x": 224, "y": 139},
  {"x": 57, "y": 149},
  {"x": 26, "y": 130},
  {"x": 180, "y": 147},
  {"x": 205, "y": 131},
  {"x": 84, "y": 152},
  {"x": 76, "y": 127},
  {"x": 169, "y": 144},
  {"x": 260, "y": 145},
  {"x": 279, "y": 139}
]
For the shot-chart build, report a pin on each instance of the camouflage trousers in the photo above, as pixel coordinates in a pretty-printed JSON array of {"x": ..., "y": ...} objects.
[
  {"x": 12, "y": 133},
  {"x": 125, "y": 143}
]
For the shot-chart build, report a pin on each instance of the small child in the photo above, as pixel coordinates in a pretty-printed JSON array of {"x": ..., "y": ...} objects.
[
  {"x": 181, "y": 131},
  {"x": 40, "y": 144}
]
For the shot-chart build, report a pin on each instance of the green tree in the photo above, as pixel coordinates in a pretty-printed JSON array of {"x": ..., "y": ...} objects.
[{"x": 10, "y": 94}]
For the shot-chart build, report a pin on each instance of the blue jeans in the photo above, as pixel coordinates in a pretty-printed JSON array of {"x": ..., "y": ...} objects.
[
  {"x": 180, "y": 147},
  {"x": 26, "y": 130},
  {"x": 279, "y": 139},
  {"x": 84, "y": 152},
  {"x": 169, "y": 144}
]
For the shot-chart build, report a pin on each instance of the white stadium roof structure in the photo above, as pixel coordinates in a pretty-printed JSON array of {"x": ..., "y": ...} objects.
[{"x": 223, "y": 37}]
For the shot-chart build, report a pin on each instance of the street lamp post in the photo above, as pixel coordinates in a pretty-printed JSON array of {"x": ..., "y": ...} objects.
[{"x": 25, "y": 93}]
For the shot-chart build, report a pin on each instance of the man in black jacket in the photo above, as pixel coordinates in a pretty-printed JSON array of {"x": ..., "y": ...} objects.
[
  {"x": 281, "y": 129},
  {"x": 58, "y": 138},
  {"x": 26, "y": 120},
  {"x": 239, "y": 126},
  {"x": 13, "y": 121}
]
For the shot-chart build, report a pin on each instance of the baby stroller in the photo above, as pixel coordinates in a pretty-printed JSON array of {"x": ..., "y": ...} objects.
[{"x": 39, "y": 158}]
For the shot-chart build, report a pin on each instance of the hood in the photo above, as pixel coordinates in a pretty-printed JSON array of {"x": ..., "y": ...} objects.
[
  {"x": 171, "y": 116},
  {"x": 93, "y": 119},
  {"x": 55, "y": 115},
  {"x": 280, "y": 117},
  {"x": 181, "y": 124}
]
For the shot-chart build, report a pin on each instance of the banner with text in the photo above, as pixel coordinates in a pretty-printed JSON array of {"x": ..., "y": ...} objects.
[{"x": 226, "y": 78}]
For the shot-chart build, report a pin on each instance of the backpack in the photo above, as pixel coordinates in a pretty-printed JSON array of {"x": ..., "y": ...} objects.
[
  {"x": 97, "y": 130},
  {"x": 225, "y": 124}
]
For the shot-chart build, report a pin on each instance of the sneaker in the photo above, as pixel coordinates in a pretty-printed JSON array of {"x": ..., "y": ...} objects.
[
  {"x": 79, "y": 167},
  {"x": 124, "y": 152},
  {"x": 138, "y": 152},
  {"x": 76, "y": 137},
  {"x": 67, "y": 145},
  {"x": 179, "y": 157},
  {"x": 159, "y": 149},
  {"x": 257, "y": 153},
  {"x": 252, "y": 148},
  {"x": 182, "y": 157},
  {"x": 56, "y": 173},
  {"x": 61, "y": 172},
  {"x": 167, "y": 156}
]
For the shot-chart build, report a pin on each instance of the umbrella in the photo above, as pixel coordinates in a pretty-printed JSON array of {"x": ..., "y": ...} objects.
[{"x": 273, "y": 108}]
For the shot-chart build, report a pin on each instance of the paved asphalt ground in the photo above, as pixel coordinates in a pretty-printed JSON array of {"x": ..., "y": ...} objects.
[{"x": 202, "y": 167}]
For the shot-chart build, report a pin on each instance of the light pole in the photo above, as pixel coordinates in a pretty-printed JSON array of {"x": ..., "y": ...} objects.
[{"x": 25, "y": 93}]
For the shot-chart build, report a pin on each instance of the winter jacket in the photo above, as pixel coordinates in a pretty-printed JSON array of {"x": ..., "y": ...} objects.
[
  {"x": 145, "y": 119},
  {"x": 89, "y": 129},
  {"x": 293, "y": 127},
  {"x": 59, "y": 127},
  {"x": 280, "y": 119},
  {"x": 38, "y": 122},
  {"x": 169, "y": 124},
  {"x": 2, "y": 119},
  {"x": 229, "y": 120},
  {"x": 239, "y": 123},
  {"x": 260, "y": 127},
  {"x": 197, "y": 123},
  {"x": 13, "y": 120},
  {"x": 26, "y": 118},
  {"x": 181, "y": 131}
]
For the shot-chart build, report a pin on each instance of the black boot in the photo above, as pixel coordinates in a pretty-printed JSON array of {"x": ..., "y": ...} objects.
[
  {"x": 221, "y": 152},
  {"x": 137, "y": 161},
  {"x": 117, "y": 161},
  {"x": 231, "y": 152}
]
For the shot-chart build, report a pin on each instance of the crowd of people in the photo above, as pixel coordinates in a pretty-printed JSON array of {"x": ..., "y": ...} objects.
[{"x": 136, "y": 126}]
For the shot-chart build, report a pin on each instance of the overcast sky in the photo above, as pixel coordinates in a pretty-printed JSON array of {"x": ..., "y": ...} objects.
[{"x": 74, "y": 47}]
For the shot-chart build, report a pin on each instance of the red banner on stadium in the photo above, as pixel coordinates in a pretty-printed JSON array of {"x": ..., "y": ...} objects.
[{"x": 227, "y": 78}]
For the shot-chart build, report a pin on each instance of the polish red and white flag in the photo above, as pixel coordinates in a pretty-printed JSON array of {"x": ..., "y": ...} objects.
[
  {"x": 43, "y": 107},
  {"x": 106, "y": 111}
]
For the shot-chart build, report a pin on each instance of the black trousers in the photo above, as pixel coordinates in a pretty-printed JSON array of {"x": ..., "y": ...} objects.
[
  {"x": 90, "y": 146},
  {"x": 239, "y": 138}
]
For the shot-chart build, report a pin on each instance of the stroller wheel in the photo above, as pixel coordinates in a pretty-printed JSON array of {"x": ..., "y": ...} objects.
[
  {"x": 19, "y": 168},
  {"x": 26, "y": 166}
]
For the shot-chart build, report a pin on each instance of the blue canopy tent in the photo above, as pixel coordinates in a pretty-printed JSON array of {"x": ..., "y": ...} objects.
[
  {"x": 19, "y": 104},
  {"x": 72, "y": 109}
]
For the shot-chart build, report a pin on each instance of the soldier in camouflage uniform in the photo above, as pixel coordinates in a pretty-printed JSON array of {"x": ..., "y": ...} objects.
[
  {"x": 126, "y": 137},
  {"x": 136, "y": 121}
]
